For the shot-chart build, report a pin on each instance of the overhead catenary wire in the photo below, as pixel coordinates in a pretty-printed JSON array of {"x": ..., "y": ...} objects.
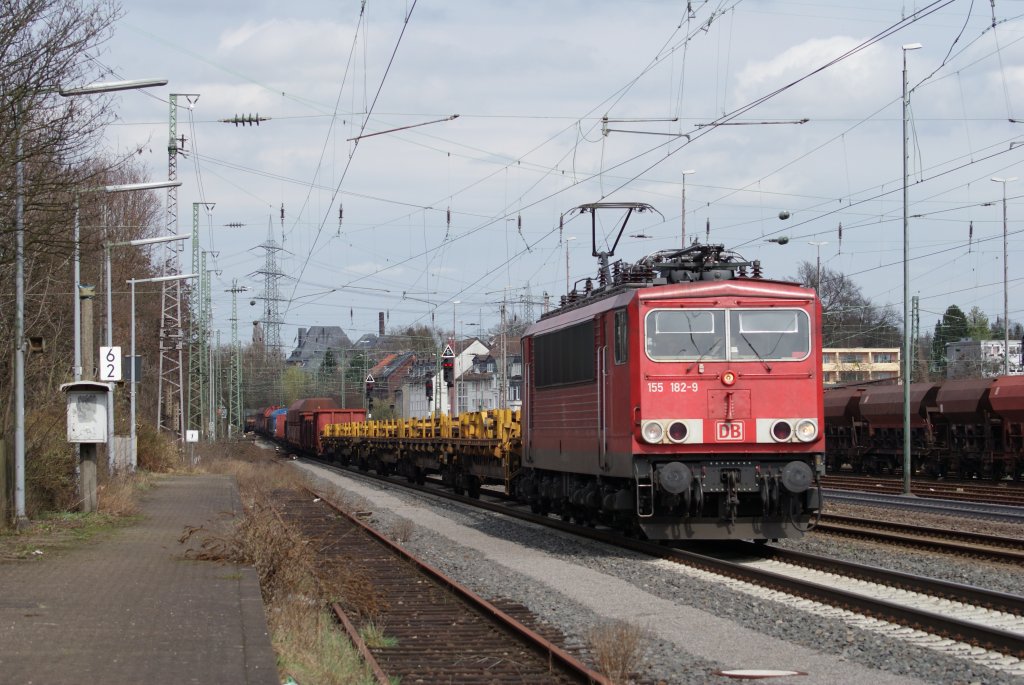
[{"x": 428, "y": 221}]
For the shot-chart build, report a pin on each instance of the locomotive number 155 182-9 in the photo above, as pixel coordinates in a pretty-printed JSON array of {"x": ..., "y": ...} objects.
[{"x": 673, "y": 386}]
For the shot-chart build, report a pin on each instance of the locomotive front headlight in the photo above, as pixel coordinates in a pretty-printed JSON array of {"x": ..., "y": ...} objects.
[
  {"x": 728, "y": 378},
  {"x": 806, "y": 430},
  {"x": 782, "y": 431},
  {"x": 652, "y": 431},
  {"x": 677, "y": 431}
]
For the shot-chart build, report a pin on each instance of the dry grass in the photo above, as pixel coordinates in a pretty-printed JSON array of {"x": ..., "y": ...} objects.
[
  {"x": 55, "y": 531},
  {"x": 375, "y": 636},
  {"x": 311, "y": 648},
  {"x": 402, "y": 530},
  {"x": 156, "y": 452},
  {"x": 50, "y": 484},
  {"x": 119, "y": 495},
  {"x": 296, "y": 584},
  {"x": 618, "y": 649}
]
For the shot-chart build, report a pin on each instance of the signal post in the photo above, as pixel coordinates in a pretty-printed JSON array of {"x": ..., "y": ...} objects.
[{"x": 448, "y": 369}]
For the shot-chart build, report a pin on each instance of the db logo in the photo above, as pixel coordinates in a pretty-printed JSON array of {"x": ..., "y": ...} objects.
[{"x": 729, "y": 432}]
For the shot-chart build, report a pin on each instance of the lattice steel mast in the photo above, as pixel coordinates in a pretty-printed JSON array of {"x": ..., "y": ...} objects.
[
  {"x": 170, "y": 398},
  {"x": 271, "y": 295},
  {"x": 235, "y": 417},
  {"x": 198, "y": 338}
]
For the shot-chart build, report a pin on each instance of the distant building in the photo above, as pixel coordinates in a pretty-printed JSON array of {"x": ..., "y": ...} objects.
[
  {"x": 413, "y": 394},
  {"x": 981, "y": 359},
  {"x": 852, "y": 364},
  {"x": 388, "y": 378},
  {"x": 416, "y": 402},
  {"x": 313, "y": 342}
]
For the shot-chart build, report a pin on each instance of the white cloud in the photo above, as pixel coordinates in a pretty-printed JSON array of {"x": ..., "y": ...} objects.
[{"x": 841, "y": 89}]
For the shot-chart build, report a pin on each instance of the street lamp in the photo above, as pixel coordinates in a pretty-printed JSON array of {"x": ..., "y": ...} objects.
[
  {"x": 132, "y": 282},
  {"x": 817, "y": 278},
  {"x": 1006, "y": 300},
  {"x": 685, "y": 173},
  {"x": 110, "y": 308},
  {"x": 19, "y": 283},
  {"x": 77, "y": 260},
  {"x": 906, "y": 286},
  {"x": 91, "y": 89},
  {"x": 572, "y": 237}
]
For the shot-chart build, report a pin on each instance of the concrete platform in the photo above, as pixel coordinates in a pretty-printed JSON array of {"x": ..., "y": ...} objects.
[{"x": 130, "y": 608}]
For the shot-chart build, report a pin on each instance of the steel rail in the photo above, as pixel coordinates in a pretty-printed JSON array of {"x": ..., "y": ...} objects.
[
  {"x": 542, "y": 645},
  {"x": 957, "y": 542},
  {"x": 993, "y": 492},
  {"x": 995, "y": 639},
  {"x": 368, "y": 658}
]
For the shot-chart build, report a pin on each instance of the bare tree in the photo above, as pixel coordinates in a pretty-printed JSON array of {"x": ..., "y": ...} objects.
[
  {"x": 849, "y": 319},
  {"x": 44, "y": 45}
]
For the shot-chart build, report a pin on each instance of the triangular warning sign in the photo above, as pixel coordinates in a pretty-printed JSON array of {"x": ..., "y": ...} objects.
[
  {"x": 369, "y": 378},
  {"x": 448, "y": 353}
]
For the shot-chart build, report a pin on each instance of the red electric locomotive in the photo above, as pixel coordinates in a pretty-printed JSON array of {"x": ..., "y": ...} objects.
[{"x": 679, "y": 396}]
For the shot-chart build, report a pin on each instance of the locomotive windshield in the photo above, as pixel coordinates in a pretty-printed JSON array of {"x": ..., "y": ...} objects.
[
  {"x": 686, "y": 334},
  {"x": 745, "y": 334}
]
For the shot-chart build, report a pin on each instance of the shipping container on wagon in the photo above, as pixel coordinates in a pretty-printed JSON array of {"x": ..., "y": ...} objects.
[
  {"x": 320, "y": 418},
  {"x": 264, "y": 424},
  {"x": 293, "y": 424},
  {"x": 277, "y": 420}
]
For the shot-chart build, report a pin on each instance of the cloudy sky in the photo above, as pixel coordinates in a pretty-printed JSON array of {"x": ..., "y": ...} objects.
[{"x": 468, "y": 209}]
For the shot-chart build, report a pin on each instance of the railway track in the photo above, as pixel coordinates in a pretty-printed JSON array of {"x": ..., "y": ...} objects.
[
  {"x": 942, "y": 507},
  {"x": 1007, "y": 493},
  {"x": 436, "y": 631},
  {"x": 988, "y": 620},
  {"x": 937, "y": 614},
  {"x": 931, "y": 538}
]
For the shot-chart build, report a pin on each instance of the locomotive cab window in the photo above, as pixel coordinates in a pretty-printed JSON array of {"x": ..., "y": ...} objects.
[
  {"x": 720, "y": 335},
  {"x": 685, "y": 334},
  {"x": 775, "y": 334}
]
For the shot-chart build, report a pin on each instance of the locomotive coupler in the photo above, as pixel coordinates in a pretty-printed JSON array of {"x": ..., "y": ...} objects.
[{"x": 730, "y": 478}]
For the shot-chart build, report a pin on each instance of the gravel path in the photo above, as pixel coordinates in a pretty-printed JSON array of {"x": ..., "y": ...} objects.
[{"x": 696, "y": 624}]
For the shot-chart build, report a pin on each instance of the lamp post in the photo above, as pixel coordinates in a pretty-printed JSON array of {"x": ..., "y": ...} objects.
[
  {"x": 906, "y": 286},
  {"x": 77, "y": 299},
  {"x": 572, "y": 237},
  {"x": 817, "y": 277},
  {"x": 683, "y": 220},
  {"x": 19, "y": 325},
  {"x": 91, "y": 89},
  {"x": 110, "y": 308},
  {"x": 19, "y": 284},
  {"x": 132, "y": 283},
  {"x": 1006, "y": 299}
]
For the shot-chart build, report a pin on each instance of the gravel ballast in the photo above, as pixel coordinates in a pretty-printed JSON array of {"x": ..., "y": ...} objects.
[{"x": 696, "y": 624}]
